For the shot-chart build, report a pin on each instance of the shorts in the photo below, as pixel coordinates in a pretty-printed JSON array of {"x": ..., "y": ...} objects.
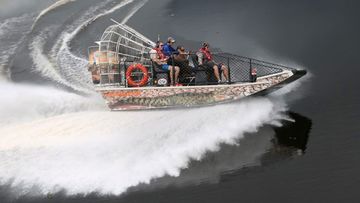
[
  {"x": 165, "y": 67},
  {"x": 220, "y": 65},
  {"x": 211, "y": 64}
]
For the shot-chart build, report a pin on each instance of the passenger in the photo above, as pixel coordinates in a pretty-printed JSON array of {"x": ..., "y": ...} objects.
[
  {"x": 159, "y": 59},
  {"x": 181, "y": 60},
  {"x": 206, "y": 59},
  {"x": 182, "y": 54},
  {"x": 168, "y": 49}
]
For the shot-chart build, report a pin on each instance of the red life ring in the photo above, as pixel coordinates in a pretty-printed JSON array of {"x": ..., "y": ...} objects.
[{"x": 144, "y": 79}]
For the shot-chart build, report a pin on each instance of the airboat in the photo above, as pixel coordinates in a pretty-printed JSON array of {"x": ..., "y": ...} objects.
[{"x": 123, "y": 73}]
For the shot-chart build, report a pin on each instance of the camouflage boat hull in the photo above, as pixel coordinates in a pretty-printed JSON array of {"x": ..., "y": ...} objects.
[{"x": 121, "y": 98}]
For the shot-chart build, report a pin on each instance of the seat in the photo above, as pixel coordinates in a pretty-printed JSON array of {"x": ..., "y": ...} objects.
[
  {"x": 159, "y": 74},
  {"x": 203, "y": 75},
  {"x": 187, "y": 73}
]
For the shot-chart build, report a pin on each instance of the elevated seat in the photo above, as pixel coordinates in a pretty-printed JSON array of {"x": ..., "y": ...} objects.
[
  {"x": 159, "y": 75},
  {"x": 187, "y": 73},
  {"x": 203, "y": 75}
]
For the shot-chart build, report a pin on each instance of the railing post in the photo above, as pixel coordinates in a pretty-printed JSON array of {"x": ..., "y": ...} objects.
[
  {"x": 119, "y": 72},
  {"x": 152, "y": 83},
  {"x": 228, "y": 66},
  {"x": 173, "y": 72},
  {"x": 250, "y": 76},
  {"x": 125, "y": 70}
]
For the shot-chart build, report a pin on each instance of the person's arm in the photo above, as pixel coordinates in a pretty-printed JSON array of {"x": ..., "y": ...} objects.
[
  {"x": 154, "y": 57},
  {"x": 173, "y": 51},
  {"x": 160, "y": 61},
  {"x": 200, "y": 57}
]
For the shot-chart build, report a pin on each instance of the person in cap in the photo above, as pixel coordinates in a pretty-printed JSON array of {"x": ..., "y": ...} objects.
[
  {"x": 206, "y": 59},
  {"x": 168, "y": 50},
  {"x": 160, "y": 60}
]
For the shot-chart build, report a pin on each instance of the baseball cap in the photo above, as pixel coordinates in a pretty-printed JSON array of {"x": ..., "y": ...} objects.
[{"x": 170, "y": 39}]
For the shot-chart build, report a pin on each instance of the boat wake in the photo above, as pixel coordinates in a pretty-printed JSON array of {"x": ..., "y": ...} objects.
[
  {"x": 109, "y": 152},
  {"x": 74, "y": 68},
  {"x": 50, "y": 8},
  {"x": 12, "y": 34},
  {"x": 26, "y": 103}
]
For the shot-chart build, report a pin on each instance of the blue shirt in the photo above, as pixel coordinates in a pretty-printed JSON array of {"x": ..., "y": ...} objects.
[{"x": 168, "y": 50}]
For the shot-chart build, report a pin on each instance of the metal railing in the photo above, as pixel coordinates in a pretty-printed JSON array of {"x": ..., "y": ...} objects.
[{"x": 191, "y": 73}]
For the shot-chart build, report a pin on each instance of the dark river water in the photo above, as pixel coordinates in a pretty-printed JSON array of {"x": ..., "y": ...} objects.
[{"x": 59, "y": 143}]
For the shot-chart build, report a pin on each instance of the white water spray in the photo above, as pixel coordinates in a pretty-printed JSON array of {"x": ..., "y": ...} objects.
[
  {"x": 63, "y": 66},
  {"x": 74, "y": 68},
  {"x": 110, "y": 152},
  {"x": 46, "y": 67},
  {"x": 26, "y": 103}
]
